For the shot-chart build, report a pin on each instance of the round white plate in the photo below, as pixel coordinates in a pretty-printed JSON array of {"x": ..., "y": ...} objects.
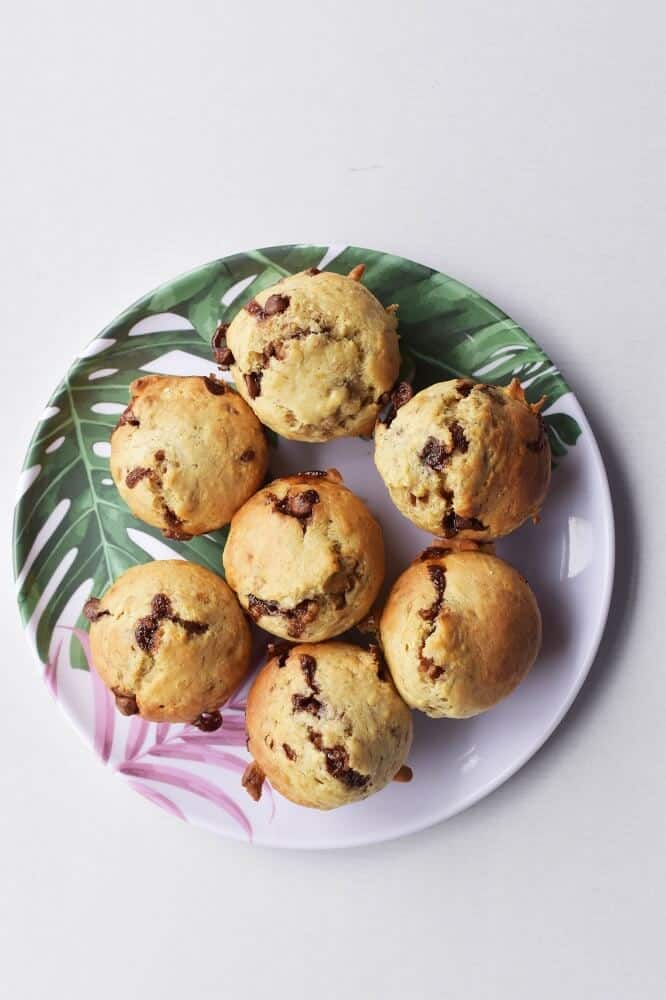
[{"x": 73, "y": 535}]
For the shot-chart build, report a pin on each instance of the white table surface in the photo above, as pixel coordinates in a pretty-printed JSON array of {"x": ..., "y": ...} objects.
[{"x": 518, "y": 146}]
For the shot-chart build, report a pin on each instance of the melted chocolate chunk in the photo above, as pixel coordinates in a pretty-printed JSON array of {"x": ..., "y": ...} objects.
[
  {"x": 401, "y": 394},
  {"x": 464, "y": 388},
  {"x": 280, "y": 650},
  {"x": 382, "y": 669},
  {"x": 306, "y": 703},
  {"x": 434, "y": 454},
  {"x": 213, "y": 385},
  {"x": 160, "y": 606},
  {"x": 253, "y": 384},
  {"x": 128, "y": 417},
  {"x": 219, "y": 345},
  {"x": 247, "y": 456},
  {"x": 274, "y": 305},
  {"x": 136, "y": 475},
  {"x": 438, "y": 577},
  {"x": 174, "y": 528},
  {"x": 208, "y": 722},
  {"x": 312, "y": 271},
  {"x": 460, "y": 442},
  {"x": 298, "y": 505},
  {"x": 159, "y": 456},
  {"x": 337, "y": 762},
  {"x": 289, "y": 753},
  {"x": 297, "y": 617},
  {"x": 253, "y": 780},
  {"x": 453, "y": 523},
  {"x": 432, "y": 552},
  {"x": 161, "y": 609},
  {"x": 404, "y": 774},
  {"x": 125, "y": 703},
  {"x": 145, "y": 633},
  {"x": 309, "y": 666},
  {"x": 93, "y": 611}
]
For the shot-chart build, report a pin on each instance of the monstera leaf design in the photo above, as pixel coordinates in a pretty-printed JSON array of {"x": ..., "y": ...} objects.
[{"x": 71, "y": 526}]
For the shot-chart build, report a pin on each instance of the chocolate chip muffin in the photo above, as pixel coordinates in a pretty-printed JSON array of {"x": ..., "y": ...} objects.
[
  {"x": 465, "y": 459},
  {"x": 460, "y": 631},
  {"x": 326, "y": 725},
  {"x": 187, "y": 452},
  {"x": 170, "y": 641},
  {"x": 305, "y": 557},
  {"x": 313, "y": 355}
]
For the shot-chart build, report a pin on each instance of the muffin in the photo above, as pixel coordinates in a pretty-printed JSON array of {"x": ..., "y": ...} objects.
[
  {"x": 313, "y": 355},
  {"x": 170, "y": 641},
  {"x": 465, "y": 459},
  {"x": 460, "y": 630},
  {"x": 326, "y": 726},
  {"x": 305, "y": 557},
  {"x": 187, "y": 452}
]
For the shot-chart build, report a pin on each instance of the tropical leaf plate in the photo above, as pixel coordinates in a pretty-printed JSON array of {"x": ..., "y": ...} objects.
[{"x": 73, "y": 536}]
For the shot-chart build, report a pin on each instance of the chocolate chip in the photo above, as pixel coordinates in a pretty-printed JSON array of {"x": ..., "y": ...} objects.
[
  {"x": 436, "y": 672},
  {"x": 337, "y": 761},
  {"x": 208, "y": 722},
  {"x": 257, "y": 608},
  {"x": 298, "y": 505},
  {"x": 192, "y": 628},
  {"x": 297, "y": 617},
  {"x": 434, "y": 454},
  {"x": 93, "y": 611},
  {"x": 306, "y": 703},
  {"x": 145, "y": 633},
  {"x": 401, "y": 394},
  {"x": 377, "y": 654},
  {"x": 276, "y": 304},
  {"x": 125, "y": 703},
  {"x": 225, "y": 358},
  {"x": 464, "y": 388},
  {"x": 288, "y": 751},
  {"x": 128, "y": 417},
  {"x": 338, "y": 601},
  {"x": 247, "y": 456},
  {"x": 313, "y": 474},
  {"x": 254, "y": 308},
  {"x": 217, "y": 388},
  {"x": 174, "y": 528},
  {"x": 219, "y": 338},
  {"x": 460, "y": 442},
  {"x": 453, "y": 523},
  {"x": 253, "y": 384},
  {"x": 160, "y": 606},
  {"x": 273, "y": 306},
  {"x": 438, "y": 577},
  {"x": 432, "y": 552},
  {"x": 280, "y": 651},
  {"x": 309, "y": 666},
  {"x": 136, "y": 475},
  {"x": 312, "y": 271},
  {"x": 253, "y": 780},
  {"x": 404, "y": 774},
  {"x": 159, "y": 456}
]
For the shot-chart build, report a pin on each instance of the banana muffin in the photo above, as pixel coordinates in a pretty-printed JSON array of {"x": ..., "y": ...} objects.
[
  {"x": 313, "y": 355},
  {"x": 169, "y": 639},
  {"x": 187, "y": 452},
  {"x": 460, "y": 630},
  {"x": 326, "y": 726},
  {"x": 465, "y": 459},
  {"x": 305, "y": 557}
]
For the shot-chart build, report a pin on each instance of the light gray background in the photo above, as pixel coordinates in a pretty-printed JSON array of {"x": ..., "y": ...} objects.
[{"x": 516, "y": 145}]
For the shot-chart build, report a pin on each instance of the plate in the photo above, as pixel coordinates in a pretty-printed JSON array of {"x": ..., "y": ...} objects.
[{"x": 73, "y": 536}]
